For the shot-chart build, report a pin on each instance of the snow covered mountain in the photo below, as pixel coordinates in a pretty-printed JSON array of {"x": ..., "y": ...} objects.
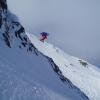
[
  {"x": 32, "y": 70},
  {"x": 79, "y": 73}
]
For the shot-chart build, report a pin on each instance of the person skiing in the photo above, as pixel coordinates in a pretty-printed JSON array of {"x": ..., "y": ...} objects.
[{"x": 44, "y": 36}]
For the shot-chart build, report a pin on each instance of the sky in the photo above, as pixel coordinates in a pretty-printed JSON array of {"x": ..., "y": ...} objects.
[{"x": 73, "y": 25}]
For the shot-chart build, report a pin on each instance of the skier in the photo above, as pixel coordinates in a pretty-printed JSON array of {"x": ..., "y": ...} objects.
[{"x": 44, "y": 36}]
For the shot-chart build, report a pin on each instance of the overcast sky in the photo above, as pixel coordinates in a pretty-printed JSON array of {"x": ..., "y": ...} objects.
[{"x": 73, "y": 25}]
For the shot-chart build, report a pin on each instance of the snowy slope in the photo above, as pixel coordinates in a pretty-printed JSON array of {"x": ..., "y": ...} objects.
[
  {"x": 25, "y": 73},
  {"x": 28, "y": 76},
  {"x": 21, "y": 76},
  {"x": 28, "y": 67},
  {"x": 83, "y": 75}
]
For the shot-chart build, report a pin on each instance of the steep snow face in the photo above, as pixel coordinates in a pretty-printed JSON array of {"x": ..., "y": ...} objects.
[
  {"x": 25, "y": 73},
  {"x": 23, "y": 76},
  {"x": 26, "y": 67},
  {"x": 82, "y": 74}
]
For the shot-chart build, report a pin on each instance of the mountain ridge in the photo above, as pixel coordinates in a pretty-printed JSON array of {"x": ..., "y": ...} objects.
[{"x": 13, "y": 34}]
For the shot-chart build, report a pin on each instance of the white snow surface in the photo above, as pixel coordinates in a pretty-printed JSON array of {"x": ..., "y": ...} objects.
[
  {"x": 86, "y": 78},
  {"x": 26, "y": 76}
]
